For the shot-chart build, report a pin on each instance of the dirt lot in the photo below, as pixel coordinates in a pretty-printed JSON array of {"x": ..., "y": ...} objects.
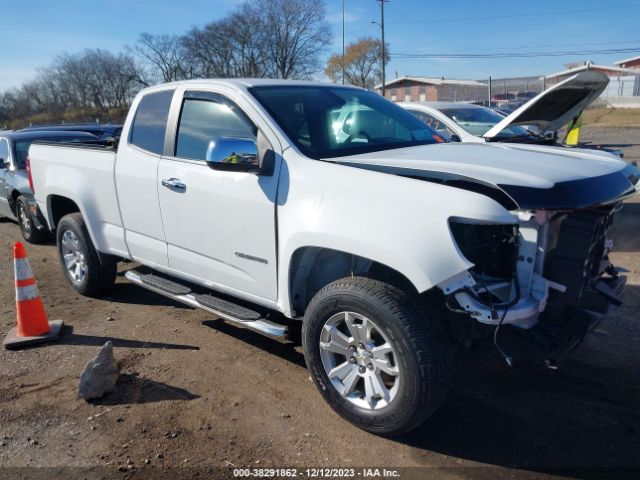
[
  {"x": 612, "y": 117},
  {"x": 198, "y": 396},
  {"x": 627, "y": 139}
]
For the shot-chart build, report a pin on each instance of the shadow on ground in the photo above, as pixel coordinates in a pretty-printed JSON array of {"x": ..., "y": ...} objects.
[
  {"x": 70, "y": 338},
  {"x": 132, "y": 389},
  {"x": 581, "y": 421},
  {"x": 287, "y": 350},
  {"x": 133, "y": 294}
]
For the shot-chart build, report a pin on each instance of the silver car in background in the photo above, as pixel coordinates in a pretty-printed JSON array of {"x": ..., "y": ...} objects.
[{"x": 16, "y": 195}]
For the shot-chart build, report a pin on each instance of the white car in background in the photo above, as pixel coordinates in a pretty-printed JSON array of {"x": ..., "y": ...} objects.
[{"x": 547, "y": 112}]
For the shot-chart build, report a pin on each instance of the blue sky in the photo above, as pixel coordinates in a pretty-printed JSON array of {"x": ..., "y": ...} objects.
[{"x": 35, "y": 31}]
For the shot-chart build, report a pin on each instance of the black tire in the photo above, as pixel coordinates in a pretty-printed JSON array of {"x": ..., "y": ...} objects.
[
  {"x": 27, "y": 227},
  {"x": 100, "y": 269},
  {"x": 421, "y": 348}
]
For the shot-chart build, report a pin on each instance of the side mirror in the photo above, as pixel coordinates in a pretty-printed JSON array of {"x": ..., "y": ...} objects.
[
  {"x": 455, "y": 138},
  {"x": 231, "y": 154},
  {"x": 3, "y": 164}
]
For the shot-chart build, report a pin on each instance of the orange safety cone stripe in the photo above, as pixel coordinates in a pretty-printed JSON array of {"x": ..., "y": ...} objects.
[{"x": 25, "y": 283}]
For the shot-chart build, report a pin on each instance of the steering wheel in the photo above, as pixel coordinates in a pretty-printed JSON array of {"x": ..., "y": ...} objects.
[{"x": 360, "y": 134}]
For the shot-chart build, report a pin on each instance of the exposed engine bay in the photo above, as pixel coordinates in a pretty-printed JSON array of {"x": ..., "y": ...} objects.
[{"x": 545, "y": 281}]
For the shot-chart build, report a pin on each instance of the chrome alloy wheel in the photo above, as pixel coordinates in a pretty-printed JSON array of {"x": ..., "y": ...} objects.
[
  {"x": 74, "y": 256},
  {"x": 359, "y": 360},
  {"x": 24, "y": 218}
]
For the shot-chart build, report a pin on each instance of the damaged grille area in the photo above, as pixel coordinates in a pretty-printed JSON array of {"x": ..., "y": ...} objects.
[
  {"x": 578, "y": 260},
  {"x": 492, "y": 249}
]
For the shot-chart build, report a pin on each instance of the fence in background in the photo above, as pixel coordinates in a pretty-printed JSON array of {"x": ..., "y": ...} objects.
[{"x": 622, "y": 92}]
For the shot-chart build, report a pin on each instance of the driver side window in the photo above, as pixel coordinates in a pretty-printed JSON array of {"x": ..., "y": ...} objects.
[{"x": 203, "y": 120}]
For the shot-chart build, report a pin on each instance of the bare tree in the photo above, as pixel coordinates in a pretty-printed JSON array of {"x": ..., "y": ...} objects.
[
  {"x": 91, "y": 83},
  {"x": 360, "y": 63},
  {"x": 294, "y": 34},
  {"x": 163, "y": 56},
  {"x": 230, "y": 47}
]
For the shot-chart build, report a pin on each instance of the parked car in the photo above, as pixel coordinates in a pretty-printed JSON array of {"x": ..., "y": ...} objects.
[
  {"x": 242, "y": 198},
  {"x": 533, "y": 123},
  {"x": 16, "y": 198},
  {"x": 105, "y": 131}
]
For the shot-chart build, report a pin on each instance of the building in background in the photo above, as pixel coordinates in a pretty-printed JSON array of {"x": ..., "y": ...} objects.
[
  {"x": 434, "y": 89},
  {"x": 572, "y": 68},
  {"x": 629, "y": 63},
  {"x": 624, "y": 83},
  {"x": 623, "y": 89}
]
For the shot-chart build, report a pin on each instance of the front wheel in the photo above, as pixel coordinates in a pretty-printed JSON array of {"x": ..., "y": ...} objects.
[
  {"x": 87, "y": 270},
  {"x": 27, "y": 226},
  {"x": 375, "y": 356}
]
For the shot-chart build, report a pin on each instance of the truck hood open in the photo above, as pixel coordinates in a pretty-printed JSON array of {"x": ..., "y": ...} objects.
[
  {"x": 541, "y": 178},
  {"x": 556, "y": 106}
]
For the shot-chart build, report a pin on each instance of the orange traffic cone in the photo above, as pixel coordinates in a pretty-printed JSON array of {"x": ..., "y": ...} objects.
[{"x": 33, "y": 326}]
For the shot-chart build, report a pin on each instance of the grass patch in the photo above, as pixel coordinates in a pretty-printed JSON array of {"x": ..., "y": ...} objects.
[{"x": 612, "y": 117}]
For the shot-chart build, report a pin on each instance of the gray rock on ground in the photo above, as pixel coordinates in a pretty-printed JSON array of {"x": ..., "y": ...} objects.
[{"x": 100, "y": 375}]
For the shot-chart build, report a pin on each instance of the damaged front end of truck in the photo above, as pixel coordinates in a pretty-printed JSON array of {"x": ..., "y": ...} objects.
[{"x": 538, "y": 286}]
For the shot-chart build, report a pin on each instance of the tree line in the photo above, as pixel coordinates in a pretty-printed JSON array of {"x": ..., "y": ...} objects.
[{"x": 284, "y": 39}]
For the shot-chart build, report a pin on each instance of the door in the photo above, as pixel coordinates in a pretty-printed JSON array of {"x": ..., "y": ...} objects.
[
  {"x": 136, "y": 179},
  {"x": 219, "y": 226},
  {"x": 5, "y": 209}
]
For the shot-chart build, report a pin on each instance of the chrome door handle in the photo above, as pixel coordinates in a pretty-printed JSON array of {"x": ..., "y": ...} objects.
[{"x": 174, "y": 184}]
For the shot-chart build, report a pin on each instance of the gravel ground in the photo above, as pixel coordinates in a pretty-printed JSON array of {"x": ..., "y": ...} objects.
[
  {"x": 628, "y": 139},
  {"x": 198, "y": 396}
]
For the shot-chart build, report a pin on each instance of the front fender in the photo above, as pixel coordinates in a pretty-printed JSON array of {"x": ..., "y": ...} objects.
[{"x": 399, "y": 222}]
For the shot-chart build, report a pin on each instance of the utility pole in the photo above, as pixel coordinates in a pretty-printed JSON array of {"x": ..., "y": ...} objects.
[
  {"x": 382, "y": 2},
  {"x": 343, "y": 42},
  {"x": 489, "y": 104}
]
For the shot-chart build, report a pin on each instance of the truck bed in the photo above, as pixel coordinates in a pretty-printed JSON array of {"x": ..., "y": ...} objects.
[{"x": 83, "y": 173}]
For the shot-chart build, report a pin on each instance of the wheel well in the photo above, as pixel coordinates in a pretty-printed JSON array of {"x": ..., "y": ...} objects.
[
  {"x": 13, "y": 201},
  {"x": 59, "y": 207},
  {"x": 314, "y": 267}
]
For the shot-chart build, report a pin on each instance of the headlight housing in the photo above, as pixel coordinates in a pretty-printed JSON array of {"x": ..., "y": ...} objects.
[{"x": 492, "y": 248}]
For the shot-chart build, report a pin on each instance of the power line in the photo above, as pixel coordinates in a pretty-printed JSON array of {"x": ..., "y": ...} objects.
[
  {"x": 563, "y": 45},
  {"x": 517, "y": 54},
  {"x": 515, "y": 15}
]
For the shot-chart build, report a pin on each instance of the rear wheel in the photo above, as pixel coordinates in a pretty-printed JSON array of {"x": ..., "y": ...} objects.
[
  {"x": 27, "y": 226},
  {"x": 375, "y": 356},
  {"x": 88, "y": 271}
]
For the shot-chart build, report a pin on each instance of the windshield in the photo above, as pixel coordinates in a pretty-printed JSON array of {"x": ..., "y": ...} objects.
[
  {"x": 21, "y": 147},
  {"x": 479, "y": 121},
  {"x": 325, "y": 122}
]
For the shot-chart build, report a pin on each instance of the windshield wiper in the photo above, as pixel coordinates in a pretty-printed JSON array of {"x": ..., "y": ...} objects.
[{"x": 531, "y": 137}]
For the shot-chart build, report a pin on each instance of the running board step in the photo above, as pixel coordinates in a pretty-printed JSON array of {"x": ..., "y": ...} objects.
[
  {"x": 164, "y": 284},
  {"x": 237, "y": 314},
  {"x": 224, "y": 306}
]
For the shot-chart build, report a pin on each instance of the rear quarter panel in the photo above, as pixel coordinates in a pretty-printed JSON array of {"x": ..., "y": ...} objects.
[{"x": 86, "y": 177}]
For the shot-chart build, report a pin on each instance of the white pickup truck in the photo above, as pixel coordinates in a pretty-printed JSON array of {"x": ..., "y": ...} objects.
[{"x": 254, "y": 199}]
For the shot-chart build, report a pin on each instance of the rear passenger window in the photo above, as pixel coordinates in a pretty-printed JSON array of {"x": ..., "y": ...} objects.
[
  {"x": 4, "y": 152},
  {"x": 203, "y": 121},
  {"x": 150, "y": 122}
]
